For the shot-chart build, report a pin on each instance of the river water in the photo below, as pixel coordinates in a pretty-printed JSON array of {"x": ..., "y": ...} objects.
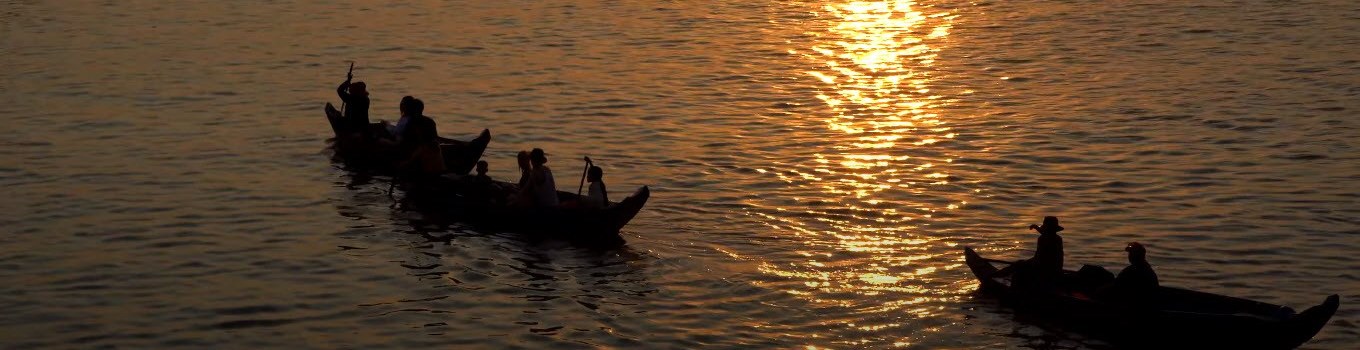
[{"x": 816, "y": 167}]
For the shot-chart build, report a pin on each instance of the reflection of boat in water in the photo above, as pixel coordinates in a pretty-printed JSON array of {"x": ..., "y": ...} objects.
[
  {"x": 459, "y": 156},
  {"x": 1176, "y": 318},
  {"x": 439, "y": 249},
  {"x": 487, "y": 205}
]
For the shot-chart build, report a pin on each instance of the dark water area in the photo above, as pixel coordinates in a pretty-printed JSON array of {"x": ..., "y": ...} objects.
[{"x": 816, "y": 167}]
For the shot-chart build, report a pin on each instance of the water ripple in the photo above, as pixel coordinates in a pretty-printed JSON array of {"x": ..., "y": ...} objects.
[{"x": 815, "y": 165}]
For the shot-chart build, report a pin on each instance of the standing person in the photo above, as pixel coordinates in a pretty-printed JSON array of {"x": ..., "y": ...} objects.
[
  {"x": 544, "y": 190},
  {"x": 355, "y": 96},
  {"x": 598, "y": 198}
]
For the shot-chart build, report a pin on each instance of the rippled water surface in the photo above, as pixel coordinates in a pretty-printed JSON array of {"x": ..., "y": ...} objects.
[{"x": 816, "y": 167}]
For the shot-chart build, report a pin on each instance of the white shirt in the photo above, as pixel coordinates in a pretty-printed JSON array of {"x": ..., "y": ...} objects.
[
  {"x": 545, "y": 191},
  {"x": 596, "y": 197},
  {"x": 401, "y": 126}
]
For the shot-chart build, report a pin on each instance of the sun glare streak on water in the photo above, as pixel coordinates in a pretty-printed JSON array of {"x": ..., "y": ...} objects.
[
  {"x": 870, "y": 250},
  {"x": 815, "y": 166}
]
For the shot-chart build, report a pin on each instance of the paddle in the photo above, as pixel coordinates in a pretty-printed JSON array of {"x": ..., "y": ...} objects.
[
  {"x": 583, "y": 176},
  {"x": 1004, "y": 271},
  {"x": 348, "y": 76},
  {"x": 1007, "y": 262}
]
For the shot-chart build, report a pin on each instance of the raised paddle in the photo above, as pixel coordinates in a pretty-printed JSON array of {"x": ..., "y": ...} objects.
[
  {"x": 348, "y": 76},
  {"x": 583, "y": 176}
]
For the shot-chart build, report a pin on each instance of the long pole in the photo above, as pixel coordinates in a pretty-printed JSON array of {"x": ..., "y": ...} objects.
[
  {"x": 583, "y": 176},
  {"x": 348, "y": 76}
]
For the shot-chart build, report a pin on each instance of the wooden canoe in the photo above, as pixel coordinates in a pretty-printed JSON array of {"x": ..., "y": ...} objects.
[
  {"x": 489, "y": 207},
  {"x": 459, "y": 156},
  {"x": 1173, "y": 318}
]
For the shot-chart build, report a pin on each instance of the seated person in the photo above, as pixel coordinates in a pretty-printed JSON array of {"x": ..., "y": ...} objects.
[
  {"x": 1048, "y": 253},
  {"x": 521, "y": 194},
  {"x": 419, "y": 150},
  {"x": 526, "y": 169},
  {"x": 420, "y": 127},
  {"x": 481, "y": 177},
  {"x": 425, "y": 159},
  {"x": 1137, "y": 283},
  {"x": 355, "y": 96},
  {"x": 481, "y": 188},
  {"x": 394, "y": 132},
  {"x": 1044, "y": 270},
  {"x": 597, "y": 198},
  {"x": 541, "y": 185}
]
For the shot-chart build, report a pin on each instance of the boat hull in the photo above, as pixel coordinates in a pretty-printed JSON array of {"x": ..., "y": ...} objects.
[
  {"x": 459, "y": 156},
  {"x": 1173, "y": 318},
  {"x": 494, "y": 209}
]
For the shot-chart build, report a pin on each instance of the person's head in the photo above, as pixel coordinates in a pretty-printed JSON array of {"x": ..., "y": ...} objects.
[
  {"x": 1050, "y": 225},
  {"x": 1137, "y": 253},
  {"x": 405, "y": 104},
  {"x": 596, "y": 174},
  {"x": 416, "y": 107},
  {"x": 481, "y": 168},
  {"x": 358, "y": 88},
  {"x": 523, "y": 159},
  {"x": 538, "y": 157}
]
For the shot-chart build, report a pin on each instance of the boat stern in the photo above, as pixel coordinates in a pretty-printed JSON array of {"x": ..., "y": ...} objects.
[
  {"x": 981, "y": 267},
  {"x": 1308, "y": 323},
  {"x": 629, "y": 207}
]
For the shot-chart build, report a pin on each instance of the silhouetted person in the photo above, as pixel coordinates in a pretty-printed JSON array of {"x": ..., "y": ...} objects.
[
  {"x": 483, "y": 189},
  {"x": 481, "y": 177},
  {"x": 355, "y": 96},
  {"x": 541, "y": 184},
  {"x": 419, "y": 146},
  {"x": 1136, "y": 283},
  {"x": 523, "y": 196},
  {"x": 1044, "y": 270},
  {"x": 526, "y": 169},
  {"x": 1048, "y": 255},
  {"x": 597, "y": 197},
  {"x": 419, "y": 128},
  {"x": 396, "y": 130}
]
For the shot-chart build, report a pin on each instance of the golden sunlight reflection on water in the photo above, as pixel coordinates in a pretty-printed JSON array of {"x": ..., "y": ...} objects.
[
  {"x": 193, "y": 205},
  {"x": 874, "y": 60}
]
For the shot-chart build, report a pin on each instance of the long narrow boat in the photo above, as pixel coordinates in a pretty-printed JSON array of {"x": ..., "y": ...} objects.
[
  {"x": 457, "y": 194},
  {"x": 459, "y": 156},
  {"x": 488, "y": 205},
  {"x": 1173, "y": 318}
]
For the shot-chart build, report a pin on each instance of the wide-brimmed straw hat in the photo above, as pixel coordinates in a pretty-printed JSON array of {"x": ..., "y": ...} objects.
[{"x": 1050, "y": 224}]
